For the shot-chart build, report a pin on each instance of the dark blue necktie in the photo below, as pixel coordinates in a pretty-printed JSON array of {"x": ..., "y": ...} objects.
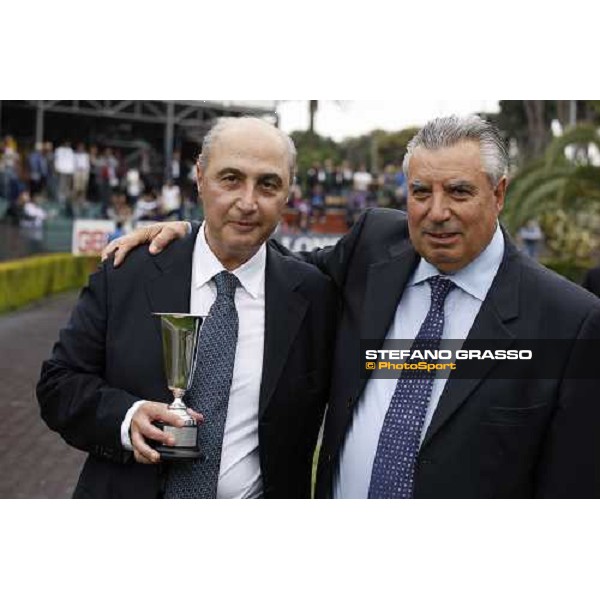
[
  {"x": 209, "y": 394},
  {"x": 394, "y": 465}
]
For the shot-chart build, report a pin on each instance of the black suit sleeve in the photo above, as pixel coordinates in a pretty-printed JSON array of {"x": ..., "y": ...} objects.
[
  {"x": 74, "y": 399},
  {"x": 570, "y": 461}
]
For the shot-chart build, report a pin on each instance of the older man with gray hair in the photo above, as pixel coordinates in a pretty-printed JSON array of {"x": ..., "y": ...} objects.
[
  {"x": 261, "y": 376},
  {"x": 447, "y": 271}
]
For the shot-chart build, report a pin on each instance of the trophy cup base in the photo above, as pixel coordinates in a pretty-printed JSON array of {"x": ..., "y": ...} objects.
[
  {"x": 171, "y": 453},
  {"x": 186, "y": 443}
]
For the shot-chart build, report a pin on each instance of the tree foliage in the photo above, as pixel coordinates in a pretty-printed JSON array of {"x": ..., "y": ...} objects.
[
  {"x": 313, "y": 148},
  {"x": 528, "y": 123},
  {"x": 375, "y": 150},
  {"x": 562, "y": 189}
]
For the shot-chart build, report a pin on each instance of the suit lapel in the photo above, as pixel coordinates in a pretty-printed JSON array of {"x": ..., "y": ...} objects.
[
  {"x": 284, "y": 311},
  {"x": 169, "y": 289},
  {"x": 500, "y": 306},
  {"x": 386, "y": 281}
]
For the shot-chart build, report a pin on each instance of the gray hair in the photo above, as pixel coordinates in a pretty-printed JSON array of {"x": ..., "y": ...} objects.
[
  {"x": 445, "y": 132},
  {"x": 223, "y": 122}
]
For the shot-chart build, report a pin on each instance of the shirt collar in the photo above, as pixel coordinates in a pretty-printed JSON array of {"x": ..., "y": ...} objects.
[
  {"x": 206, "y": 265},
  {"x": 477, "y": 277}
]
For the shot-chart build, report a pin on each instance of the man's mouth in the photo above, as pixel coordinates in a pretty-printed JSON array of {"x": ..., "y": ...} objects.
[
  {"x": 442, "y": 237},
  {"x": 244, "y": 225}
]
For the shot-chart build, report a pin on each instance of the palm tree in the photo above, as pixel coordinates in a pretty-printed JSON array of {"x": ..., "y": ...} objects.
[
  {"x": 313, "y": 106},
  {"x": 555, "y": 182}
]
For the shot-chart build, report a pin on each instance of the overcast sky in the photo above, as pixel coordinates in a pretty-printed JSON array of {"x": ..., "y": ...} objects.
[{"x": 344, "y": 118}]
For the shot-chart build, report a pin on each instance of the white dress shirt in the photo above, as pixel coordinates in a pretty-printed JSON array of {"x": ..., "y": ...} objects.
[
  {"x": 461, "y": 307},
  {"x": 64, "y": 160},
  {"x": 170, "y": 198},
  {"x": 239, "y": 475}
]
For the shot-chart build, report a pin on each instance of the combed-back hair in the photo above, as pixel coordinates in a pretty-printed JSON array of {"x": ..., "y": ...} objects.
[{"x": 445, "y": 132}]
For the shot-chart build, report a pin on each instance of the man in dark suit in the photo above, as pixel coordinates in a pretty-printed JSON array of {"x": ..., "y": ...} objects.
[
  {"x": 104, "y": 387},
  {"x": 448, "y": 271},
  {"x": 493, "y": 437}
]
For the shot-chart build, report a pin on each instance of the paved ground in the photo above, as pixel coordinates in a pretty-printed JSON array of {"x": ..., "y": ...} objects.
[{"x": 34, "y": 461}]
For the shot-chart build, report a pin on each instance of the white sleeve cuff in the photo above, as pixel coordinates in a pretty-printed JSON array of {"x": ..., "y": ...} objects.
[{"x": 125, "y": 439}]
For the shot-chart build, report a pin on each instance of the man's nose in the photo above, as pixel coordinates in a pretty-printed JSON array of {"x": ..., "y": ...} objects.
[
  {"x": 247, "y": 199},
  {"x": 439, "y": 210}
]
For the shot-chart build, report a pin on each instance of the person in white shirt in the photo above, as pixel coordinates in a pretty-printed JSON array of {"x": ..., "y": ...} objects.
[
  {"x": 134, "y": 186},
  {"x": 147, "y": 207},
  {"x": 104, "y": 387},
  {"x": 81, "y": 175},
  {"x": 362, "y": 179},
  {"x": 32, "y": 218},
  {"x": 170, "y": 200},
  {"x": 64, "y": 166}
]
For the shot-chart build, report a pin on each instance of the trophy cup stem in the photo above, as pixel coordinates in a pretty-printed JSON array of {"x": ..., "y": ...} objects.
[
  {"x": 178, "y": 395},
  {"x": 179, "y": 407}
]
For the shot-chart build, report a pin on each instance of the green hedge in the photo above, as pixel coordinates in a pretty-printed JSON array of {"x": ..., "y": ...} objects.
[
  {"x": 569, "y": 269},
  {"x": 29, "y": 279}
]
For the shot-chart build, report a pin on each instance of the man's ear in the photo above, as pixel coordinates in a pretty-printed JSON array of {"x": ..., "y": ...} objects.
[
  {"x": 500, "y": 193},
  {"x": 199, "y": 179}
]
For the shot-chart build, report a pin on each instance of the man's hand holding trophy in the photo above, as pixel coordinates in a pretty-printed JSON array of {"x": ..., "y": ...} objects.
[{"x": 162, "y": 432}]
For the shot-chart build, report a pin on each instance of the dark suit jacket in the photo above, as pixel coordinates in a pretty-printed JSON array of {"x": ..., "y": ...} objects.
[
  {"x": 110, "y": 355},
  {"x": 489, "y": 437}
]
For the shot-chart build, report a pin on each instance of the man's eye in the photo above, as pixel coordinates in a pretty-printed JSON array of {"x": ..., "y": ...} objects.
[
  {"x": 229, "y": 179},
  {"x": 461, "y": 192},
  {"x": 270, "y": 186},
  {"x": 420, "y": 194}
]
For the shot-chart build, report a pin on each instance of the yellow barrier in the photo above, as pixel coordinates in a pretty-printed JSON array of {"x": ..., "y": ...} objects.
[{"x": 29, "y": 279}]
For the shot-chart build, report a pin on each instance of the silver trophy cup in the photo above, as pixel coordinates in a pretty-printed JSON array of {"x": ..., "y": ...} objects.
[{"x": 180, "y": 334}]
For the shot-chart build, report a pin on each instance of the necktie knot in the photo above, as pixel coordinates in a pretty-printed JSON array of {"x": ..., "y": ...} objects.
[
  {"x": 440, "y": 288},
  {"x": 226, "y": 283}
]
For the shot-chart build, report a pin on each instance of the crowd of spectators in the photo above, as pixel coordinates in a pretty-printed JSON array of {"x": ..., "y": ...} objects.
[
  {"x": 82, "y": 181},
  {"x": 87, "y": 181},
  {"x": 326, "y": 187}
]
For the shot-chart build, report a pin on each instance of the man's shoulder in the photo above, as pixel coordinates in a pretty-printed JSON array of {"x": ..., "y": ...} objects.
[
  {"x": 295, "y": 268},
  {"x": 385, "y": 217},
  {"x": 139, "y": 262},
  {"x": 551, "y": 288},
  {"x": 136, "y": 262},
  {"x": 382, "y": 225}
]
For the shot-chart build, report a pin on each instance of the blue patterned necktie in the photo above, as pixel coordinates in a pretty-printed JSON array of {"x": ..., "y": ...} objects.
[
  {"x": 209, "y": 394},
  {"x": 394, "y": 465}
]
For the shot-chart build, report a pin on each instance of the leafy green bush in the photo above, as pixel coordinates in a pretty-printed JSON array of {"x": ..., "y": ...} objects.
[
  {"x": 28, "y": 279},
  {"x": 572, "y": 270}
]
